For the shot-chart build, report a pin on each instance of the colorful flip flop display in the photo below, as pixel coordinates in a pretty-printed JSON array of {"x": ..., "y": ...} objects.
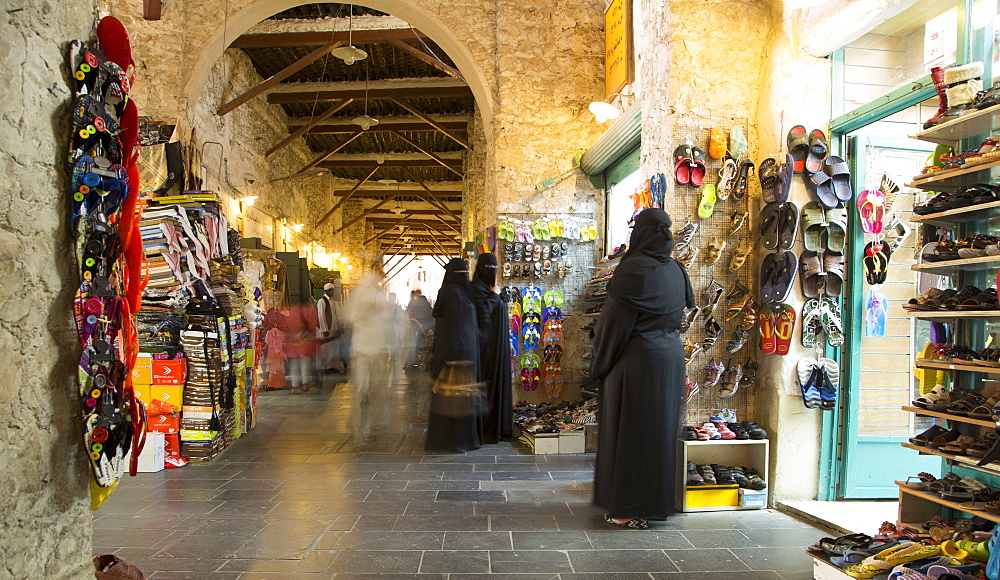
[{"x": 101, "y": 162}]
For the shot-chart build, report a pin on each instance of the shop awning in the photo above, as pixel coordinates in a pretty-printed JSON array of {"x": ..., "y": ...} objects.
[{"x": 621, "y": 137}]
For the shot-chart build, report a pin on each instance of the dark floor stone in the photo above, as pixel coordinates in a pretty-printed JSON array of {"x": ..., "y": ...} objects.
[
  {"x": 619, "y": 560},
  {"x": 706, "y": 561},
  {"x": 448, "y": 561},
  {"x": 483, "y": 496},
  {"x": 518, "y": 561}
]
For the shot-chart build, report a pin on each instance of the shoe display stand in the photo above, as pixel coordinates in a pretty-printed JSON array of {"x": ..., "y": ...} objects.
[
  {"x": 713, "y": 498},
  {"x": 712, "y": 232},
  {"x": 915, "y": 505},
  {"x": 551, "y": 340}
]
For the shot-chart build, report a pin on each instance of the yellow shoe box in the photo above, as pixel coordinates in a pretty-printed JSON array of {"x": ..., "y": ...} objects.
[{"x": 702, "y": 496}]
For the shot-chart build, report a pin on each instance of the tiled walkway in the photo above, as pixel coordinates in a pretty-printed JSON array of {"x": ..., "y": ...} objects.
[{"x": 295, "y": 499}]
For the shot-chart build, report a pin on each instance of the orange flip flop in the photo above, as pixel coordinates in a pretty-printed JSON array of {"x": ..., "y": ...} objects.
[
  {"x": 768, "y": 340},
  {"x": 784, "y": 327}
]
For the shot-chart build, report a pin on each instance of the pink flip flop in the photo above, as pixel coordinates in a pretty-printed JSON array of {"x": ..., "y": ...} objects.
[{"x": 871, "y": 207}]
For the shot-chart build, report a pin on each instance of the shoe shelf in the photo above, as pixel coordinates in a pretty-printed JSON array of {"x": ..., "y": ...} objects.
[
  {"x": 959, "y": 215},
  {"x": 753, "y": 453},
  {"x": 949, "y": 416},
  {"x": 920, "y": 506},
  {"x": 953, "y": 313},
  {"x": 984, "y": 121},
  {"x": 596, "y": 281},
  {"x": 960, "y": 460},
  {"x": 954, "y": 178},
  {"x": 967, "y": 264},
  {"x": 923, "y": 363}
]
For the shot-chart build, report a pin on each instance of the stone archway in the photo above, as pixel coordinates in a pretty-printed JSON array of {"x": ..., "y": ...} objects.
[{"x": 420, "y": 17}]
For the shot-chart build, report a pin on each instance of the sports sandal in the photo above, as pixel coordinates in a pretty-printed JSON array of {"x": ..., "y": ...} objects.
[
  {"x": 712, "y": 331},
  {"x": 742, "y": 185},
  {"x": 731, "y": 382},
  {"x": 836, "y": 221},
  {"x": 727, "y": 177},
  {"x": 710, "y": 297},
  {"x": 714, "y": 251},
  {"x": 736, "y": 299},
  {"x": 739, "y": 257},
  {"x": 685, "y": 235},
  {"x": 736, "y": 221},
  {"x": 769, "y": 180},
  {"x": 798, "y": 147},
  {"x": 810, "y": 274},
  {"x": 840, "y": 177},
  {"x": 738, "y": 341},
  {"x": 814, "y": 227},
  {"x": 812, "y": 322},
  {"x": 818, "y": 150}
]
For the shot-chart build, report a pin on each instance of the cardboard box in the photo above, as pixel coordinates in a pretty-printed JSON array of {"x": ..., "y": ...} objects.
[
  {"x": 152, "y": 456},
  {"x": 166, "y": 423},
  {"x": 142, "y": 372},
  {"x": 195, "y": 435},
  {"x": 141, "y": 393},
  {"x": 169, "y": 372},
  {"x": 750, "y": 498},
  {"x": 541, "y": 443},
  {"x": 571, "y": 442},
  {"x": 172, "y": 394},
  {"x": 172, "y": 443},
  {"x": 198, "y": 413},
  {"x": 703, "y": 496}
]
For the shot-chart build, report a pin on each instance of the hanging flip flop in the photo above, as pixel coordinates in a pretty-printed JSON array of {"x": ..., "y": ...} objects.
[
  {"x": 812, "y": 322},
  {"x": 871, "y": 207},
  {"x": 808, "y": 371},
  {"x": 829, "y": 372},
  {"x": 832, "y": 324},
  {"x": 875, "y": 313},
  {"x": 768, "y": 340},
  {"x": 783, "y": 328}
]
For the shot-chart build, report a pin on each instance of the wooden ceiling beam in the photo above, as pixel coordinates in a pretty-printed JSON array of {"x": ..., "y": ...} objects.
[
  {"x": 317, "y": 37},
  {"x": 386, "y": 127},
  {"x": 432, "y": 123},
  {"x": 433, "y": 211},
  {"x": 316, "y": 162},
  {"x": 398, "y": 83},
  {"x": 363, "y": 215},
  {"x": 456, "y": 121},
  {"x": 309, "y": 126},
  {"x": 429, "y": 195},
  {"x": 336, "y": 163},
  {"x": 409, "y": 192},
  {"x": 428, "y": 154},
  {"x": 277, "y": 77},
  {"x": 373, "y": 94},
  {"x": 337, "y": 205},
  {"x": 431, "y": 60}
]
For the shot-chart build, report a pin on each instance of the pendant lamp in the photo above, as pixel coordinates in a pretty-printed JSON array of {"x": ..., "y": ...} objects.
[{"x": 350, "y": 54}]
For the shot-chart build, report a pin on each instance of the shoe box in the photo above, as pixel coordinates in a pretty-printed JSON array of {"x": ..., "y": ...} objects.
[
  {"x": 750, "y": 498},
  {"x": 551, "y": 443}
]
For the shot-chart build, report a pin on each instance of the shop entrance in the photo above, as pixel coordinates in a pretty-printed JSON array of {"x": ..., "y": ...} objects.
[{"x": 879, "y": 369}]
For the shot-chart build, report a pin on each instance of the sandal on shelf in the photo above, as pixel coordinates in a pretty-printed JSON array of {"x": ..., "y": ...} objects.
[
  {"x": 985, "y": 411},
  {"x": 928, "y": 435},
  {"x": 937, "y": 396},
  {"x": 958, "y": 446}
]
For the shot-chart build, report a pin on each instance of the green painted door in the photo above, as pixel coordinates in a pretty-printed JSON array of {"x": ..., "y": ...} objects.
[{"x": 877, "y": 373}]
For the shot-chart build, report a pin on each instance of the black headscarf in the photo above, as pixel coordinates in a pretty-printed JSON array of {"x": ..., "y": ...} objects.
[
  {"x": 647, "y": 278},
  {"x": 486, "y": 269},
  {"x": 455, "y": 273}
]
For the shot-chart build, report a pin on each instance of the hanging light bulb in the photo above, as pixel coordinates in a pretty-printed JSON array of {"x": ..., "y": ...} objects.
[
  {"x": 365, "y": 121},
  {"x": 350, "y": 54}
]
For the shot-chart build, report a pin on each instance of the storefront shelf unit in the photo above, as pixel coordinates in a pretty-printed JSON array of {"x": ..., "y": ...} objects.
[
  {"x": 958, "y": 215},
  {"x": 920, "y": 506},
  {"x": 950, "y": 417},
  {"x": 984, "y": 121},
  {"x": 955, "y": 178},
  {"x": 967, "y": 264},
  {"x": 955, "y": 314},
  {"x": 745, "y": 453},
  {"x": 603, "y": 280},
  {"x": 944, "y": 365},
  {"x": 960, "y": 460}
]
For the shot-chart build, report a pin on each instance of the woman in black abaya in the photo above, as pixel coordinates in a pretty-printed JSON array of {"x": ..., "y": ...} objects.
[
  {"x": 639, "y": 359},
  {"x": 455, "y": 423},
  {"x": 494, "y": 351}
]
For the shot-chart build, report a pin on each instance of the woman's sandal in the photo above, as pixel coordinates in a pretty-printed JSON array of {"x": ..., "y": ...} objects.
[{"x": 634, "y": 523}]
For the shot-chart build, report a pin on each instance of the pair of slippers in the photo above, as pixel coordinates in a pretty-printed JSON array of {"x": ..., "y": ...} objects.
[
  {"x": 777, "y": 275},
  {"x": 778, "y": 225},
  {"x": 530, "y": 379},
  {"x": 876, "y": 261},
  {"x": 777, "y": 321},
  {"x": 821, "y": 273},
  {"x": 819, "y": 380},
  {"x": 822, "y": 315},
  {"x": 689, "y": 165},
  {"x": 824, "y": 229},
  {"x": 872, "y": 208}
]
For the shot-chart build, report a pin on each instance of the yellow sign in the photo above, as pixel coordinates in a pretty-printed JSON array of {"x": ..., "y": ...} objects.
[{"x": 617, "y": 46}]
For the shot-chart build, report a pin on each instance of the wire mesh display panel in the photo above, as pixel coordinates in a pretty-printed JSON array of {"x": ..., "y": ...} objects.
[{"x": 717, "y": 230}]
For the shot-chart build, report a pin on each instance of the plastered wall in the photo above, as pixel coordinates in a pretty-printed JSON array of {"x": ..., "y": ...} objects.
[{"x": 45, "y": 528}]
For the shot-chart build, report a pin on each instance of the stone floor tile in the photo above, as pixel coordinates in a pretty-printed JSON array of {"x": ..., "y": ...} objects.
[
  {"x": 706, "y": 560},
  {"x": 477, "y": 541},
  {"x": 517, "y": 561},
  {"x": 376, "y": 561},
  {"x": 455, "y": 561},
  {"x": 621, "y": 561}
]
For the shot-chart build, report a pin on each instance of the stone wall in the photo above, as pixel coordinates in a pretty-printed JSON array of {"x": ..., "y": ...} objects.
[{"x": 45, "y": 521}]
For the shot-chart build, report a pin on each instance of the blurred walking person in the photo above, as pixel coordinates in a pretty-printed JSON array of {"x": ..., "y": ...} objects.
[
  {"x": 330, "y": 329},
  {"x": 368, "y": 318}
]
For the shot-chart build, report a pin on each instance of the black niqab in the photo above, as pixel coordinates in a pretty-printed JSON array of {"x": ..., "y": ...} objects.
[
  {"x": 641, "y": 280},
  {"x": 486, "y": 269}
]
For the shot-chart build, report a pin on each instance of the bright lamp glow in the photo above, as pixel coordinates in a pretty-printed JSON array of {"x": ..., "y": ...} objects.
[
  {"x": 296, "y": 228},
  {"x": 344, "y": 259},
  {"x": 604, "y": 112},
  {"x": 248, "y": 199}
]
